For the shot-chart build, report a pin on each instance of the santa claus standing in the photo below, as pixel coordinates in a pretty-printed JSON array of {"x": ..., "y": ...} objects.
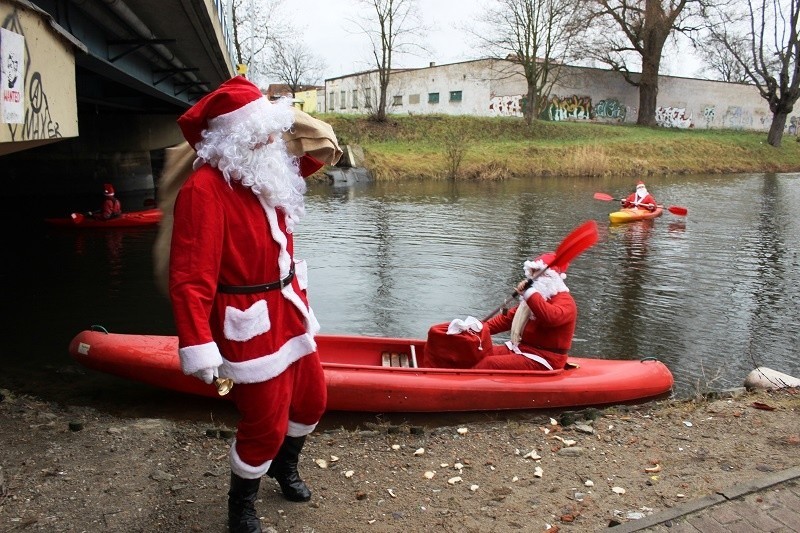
[{"x": 238, "y": 294}]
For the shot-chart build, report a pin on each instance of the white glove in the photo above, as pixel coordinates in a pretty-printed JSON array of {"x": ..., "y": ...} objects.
[{"x": 206, "y": 374}]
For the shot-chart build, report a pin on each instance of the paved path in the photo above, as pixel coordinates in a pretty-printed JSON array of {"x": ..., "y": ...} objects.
[{"x": 768, "y": 504}]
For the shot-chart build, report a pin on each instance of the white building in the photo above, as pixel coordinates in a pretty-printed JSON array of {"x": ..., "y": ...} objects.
[{"x": 489, "y": 87}]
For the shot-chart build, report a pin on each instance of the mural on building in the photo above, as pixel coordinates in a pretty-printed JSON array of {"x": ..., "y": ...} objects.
[
  {"x": 673, "y": 117},
  {"x": 611, "y": 109},
  {"x": 567, "y": 108},
  {"x": 38, "y": 122},
  {"x": 507, "y": 106}
]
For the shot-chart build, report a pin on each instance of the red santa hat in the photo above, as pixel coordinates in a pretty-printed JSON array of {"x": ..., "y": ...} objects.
[
  {"x": 639, "y": 183},
  {"x": 108, "y": 189},
  {"x": 229, "y": 103},
  {"x": 546, "y": 259}
]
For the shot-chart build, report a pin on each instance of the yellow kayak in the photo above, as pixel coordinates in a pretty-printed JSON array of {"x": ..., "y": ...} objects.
[{"x": 633, "y": 214}]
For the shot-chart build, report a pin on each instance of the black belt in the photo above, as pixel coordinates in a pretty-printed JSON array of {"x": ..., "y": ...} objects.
[{"x": 264, "y": 287}]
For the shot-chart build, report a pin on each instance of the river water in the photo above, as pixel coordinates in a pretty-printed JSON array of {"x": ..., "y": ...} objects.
[{"x": 712, "y": 294}]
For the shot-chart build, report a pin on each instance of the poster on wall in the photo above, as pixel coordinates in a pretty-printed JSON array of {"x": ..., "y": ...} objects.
[{"x": 12, "y": 76}]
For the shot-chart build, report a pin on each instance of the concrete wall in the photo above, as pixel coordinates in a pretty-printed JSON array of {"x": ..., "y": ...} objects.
[
  {"x": 496, "y": 88},
  {"x": 50, "y": 102}
]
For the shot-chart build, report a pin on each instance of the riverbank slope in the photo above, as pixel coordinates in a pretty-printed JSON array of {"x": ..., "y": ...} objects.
[
  {"x": 66, "y": 468},
  {"x": 442, "y": 147}
]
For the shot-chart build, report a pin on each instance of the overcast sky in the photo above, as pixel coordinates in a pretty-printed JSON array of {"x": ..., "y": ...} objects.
[{"x": 329, "y": 32}]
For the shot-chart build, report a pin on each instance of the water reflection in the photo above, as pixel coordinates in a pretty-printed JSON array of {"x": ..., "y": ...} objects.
[{"x": 711, "y": 294}]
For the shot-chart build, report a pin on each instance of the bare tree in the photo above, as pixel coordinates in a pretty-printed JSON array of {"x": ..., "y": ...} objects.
[
  {"x": 769, "y": 53},
  {"x": 257, "y": 26},
  {"x": 391, "y": 27},
  {"x": 629, "y": 31},
  {"x": 536, "y": 36},
  {"x": 721, "y": 63},
  {"x": 294, "y": 64}
]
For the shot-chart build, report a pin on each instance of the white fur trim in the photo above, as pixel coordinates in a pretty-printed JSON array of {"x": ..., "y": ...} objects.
[
  {"x": 244, "y": 470},
  {"x": 200, "y": 356},
  {"x": 301, "y": 272},
  {"x": 284, "y": 259},
  {"x": 299, "y": 430},
  {"x": 268, "y": 366},
  {"x": 532, "y": 267},
  {"x": 280, "y": 112},
  {"x": 242, "y": 325},
  {"x": 313, "y": 325}
]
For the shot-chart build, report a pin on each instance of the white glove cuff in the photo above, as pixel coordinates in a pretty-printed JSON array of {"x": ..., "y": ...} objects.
[{"x": 194, "y": 358}]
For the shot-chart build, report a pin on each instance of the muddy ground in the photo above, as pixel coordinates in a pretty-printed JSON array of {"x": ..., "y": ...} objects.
[{"x": 74, "y": 468}]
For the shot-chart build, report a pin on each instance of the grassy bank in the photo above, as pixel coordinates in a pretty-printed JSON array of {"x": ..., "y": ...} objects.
[{"x": 440, "y": 147}]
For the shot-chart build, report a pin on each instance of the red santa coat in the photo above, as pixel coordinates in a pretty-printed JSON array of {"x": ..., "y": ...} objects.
[
  {"x": 225, "y": 234},
  {"x": 648, "y": 202},
  {"x": 548, "y": 334}
]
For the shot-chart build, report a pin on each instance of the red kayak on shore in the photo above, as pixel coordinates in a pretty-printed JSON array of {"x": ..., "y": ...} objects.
[
  {"x": 148, "y": 217},
  {"x": 380, "y": 375}
]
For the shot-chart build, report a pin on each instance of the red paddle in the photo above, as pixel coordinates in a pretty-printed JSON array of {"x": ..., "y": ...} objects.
[
  {"x": 674, "y": 209},
  {"x": 578, "y": 241}
]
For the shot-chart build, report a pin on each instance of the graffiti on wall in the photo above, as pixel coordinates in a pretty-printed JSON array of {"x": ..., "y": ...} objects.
[
  {"x": 38, "y": 122},
  {"x": 709, "y": 114},
  {"x": 737, "y": 118},
  {"x": 506, "y": 106},
  {"x": 673, "y": 117},
  {"x": 791, "y": 129},
  {"x": 610, "y": 109},
  {"x": 567, "y": 108}
]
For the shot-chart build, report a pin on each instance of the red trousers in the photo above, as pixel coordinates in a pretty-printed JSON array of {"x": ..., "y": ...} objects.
[
  {"x": 292, "y": 402},
  {"x": 504, "y": 359}
]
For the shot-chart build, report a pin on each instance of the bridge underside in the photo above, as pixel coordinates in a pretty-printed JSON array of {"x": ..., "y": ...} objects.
[{"x": 138, "y": 65}]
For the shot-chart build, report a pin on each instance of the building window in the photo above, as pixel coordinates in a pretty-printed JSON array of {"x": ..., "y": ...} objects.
[
  {"x": 397, "y": 100},
  {"x": 455, "y": 96},
  {"x": 330, "y": 100},
  {"x": 413, "y": 98},
  {"x": 367, "y": 99},
  {"x": 343, "y": 103},
  {"x": 355, "y": 98},
  {"x": 433, "y": 98}
]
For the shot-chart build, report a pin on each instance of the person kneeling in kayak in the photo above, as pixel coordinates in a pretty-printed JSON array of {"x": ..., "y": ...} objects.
[
  {"x": 541, "y": 326},
  {"x": 640, "y": 198}
]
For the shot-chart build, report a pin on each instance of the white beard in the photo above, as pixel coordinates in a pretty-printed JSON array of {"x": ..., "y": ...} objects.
[
  {"x": 269, "y": 170},
  {"x": 272, "y": 174}
]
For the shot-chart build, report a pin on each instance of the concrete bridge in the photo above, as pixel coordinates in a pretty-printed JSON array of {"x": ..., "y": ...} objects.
[{"x": 91, "y": 89}]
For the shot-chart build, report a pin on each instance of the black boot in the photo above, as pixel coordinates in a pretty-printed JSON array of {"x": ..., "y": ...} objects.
[
  {"x": 242, "y": 517},
  {"x": 284, "y": 470}
]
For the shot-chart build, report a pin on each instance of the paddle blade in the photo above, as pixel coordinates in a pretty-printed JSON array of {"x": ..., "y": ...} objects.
[
  {"x": 678, "y": 210},
  {"x": 581, "y": 239},
  {"x": 603, "y": 196},
  {"x": 77, "y": 218}
]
